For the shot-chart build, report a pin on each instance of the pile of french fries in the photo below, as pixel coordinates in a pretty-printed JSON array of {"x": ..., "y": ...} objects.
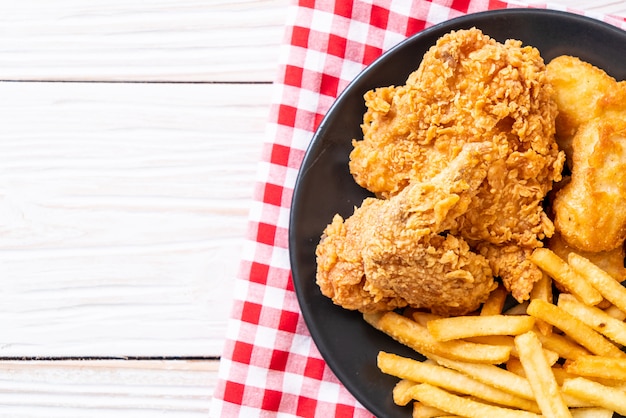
[{"x": 554, "y": 356}]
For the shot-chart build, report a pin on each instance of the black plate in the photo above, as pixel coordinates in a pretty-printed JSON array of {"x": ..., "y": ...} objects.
[{"x": 325, "y": 186}]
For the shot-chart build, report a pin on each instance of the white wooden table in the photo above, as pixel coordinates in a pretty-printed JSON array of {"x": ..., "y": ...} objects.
[{"x": 129, "y": 137}]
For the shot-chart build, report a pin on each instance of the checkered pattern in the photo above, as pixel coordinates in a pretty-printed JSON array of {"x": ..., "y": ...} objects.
[{"x": 270, "y": 366}]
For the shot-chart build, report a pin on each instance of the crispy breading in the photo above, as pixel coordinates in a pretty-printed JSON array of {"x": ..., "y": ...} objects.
[
  {"x": 470, "y": 88},
  {"x": 391, "y": 252},
  {"x": 591, "y": 127},
  {"x": 512, "y": 264},
  {"x": 582, "y": 92},
  {"x": 585, "y": 209}
]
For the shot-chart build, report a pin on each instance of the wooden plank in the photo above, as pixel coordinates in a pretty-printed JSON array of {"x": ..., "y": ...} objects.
[
  {"x": 110, "y": 388},
  {"x": 123, "y": 208},
  {"x": 186, "y": 40}
]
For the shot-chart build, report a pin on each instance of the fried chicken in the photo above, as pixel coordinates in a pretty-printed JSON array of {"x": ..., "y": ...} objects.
[
  {"x": 585, "y": 209},
  {"x": 591, "y": 126},
  {"x": 512, "y": 264},
  {"x": 398, "y": 252},
  {"x": 470, "y": 88},
  {"x": 582, "y": 92}
]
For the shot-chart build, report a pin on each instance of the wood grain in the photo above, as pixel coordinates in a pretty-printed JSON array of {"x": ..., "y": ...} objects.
[
  {"x": 123, "y": 205},
  {"x": 106, "y": 388},
  {"x": 160, "y": 40},
  {"x": 122, "y": 212}
]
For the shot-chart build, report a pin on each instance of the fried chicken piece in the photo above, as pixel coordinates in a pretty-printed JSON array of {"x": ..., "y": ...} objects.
[
  {"x": 591, "y": 127},
  {"x": 582, "y": 92},
  {"x": 470, "y": 88},
  {"x": 395, "y": 252},
  {"x": 512, "y": 264},
  {"x": 587, "y": 210}
]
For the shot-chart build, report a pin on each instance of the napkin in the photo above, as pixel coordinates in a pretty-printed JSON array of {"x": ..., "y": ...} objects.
[{"x": 270, "y": 365}]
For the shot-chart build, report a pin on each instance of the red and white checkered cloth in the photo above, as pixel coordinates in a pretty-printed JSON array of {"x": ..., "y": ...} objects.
[{"x": 270, "y": 365}]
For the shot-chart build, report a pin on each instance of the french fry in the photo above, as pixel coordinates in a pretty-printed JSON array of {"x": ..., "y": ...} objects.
[
  {"x": 421, "y": 410},
  {"x": 604, "y": 304},
  {"x": 574, "y": 328},
  {"x": 551, "y": 356},
  {"x": 561, "y": 272},
  {"x": 466, "y": 349},
  {"x": 508, "y": 341},
  {"x": 597, "y": 366},
  {"x": 491, "y": 375},
  {"x": 515, "y": 366},
  {"x": 595, "y": 318},
  {"x": 449, "y": 379},
  {"x": 562, "y": 374},
  {"x": 610, "y": 288},
  {"x": 416, "y": 336},
  {"x": 596, "y": 394},
  {"x": 454, "y": 404},
  {"x": 591, "y": 413},
  {"x": 422, "y": 318},
  {"x": 615, "y": 312},
  {"x": 458, "y": 327},
  {"x": 542, "y": 290},
  {"x": 505, "y": 340},
  {"x": 540, "y": 376},
  {"x": 400, "y": 392},
  {"x": 519, "y": 309},
  {"x": 494, "y": 304},
  {"x": 565, "y": 347}
]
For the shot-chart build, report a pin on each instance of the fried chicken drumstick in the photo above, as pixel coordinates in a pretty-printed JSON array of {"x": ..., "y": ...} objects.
[{"x": 391, "y": 253}]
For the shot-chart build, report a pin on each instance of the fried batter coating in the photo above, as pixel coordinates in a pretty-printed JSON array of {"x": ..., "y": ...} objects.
[
  {"x": 512, "y": 264},
  {"x": 591, "y": 127},
  {"x": 582, "y": 92},
  {"x": 391, "y": 252},
  {"x": 470, "y": 88},
  {"x": 587, "y": 210}
]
